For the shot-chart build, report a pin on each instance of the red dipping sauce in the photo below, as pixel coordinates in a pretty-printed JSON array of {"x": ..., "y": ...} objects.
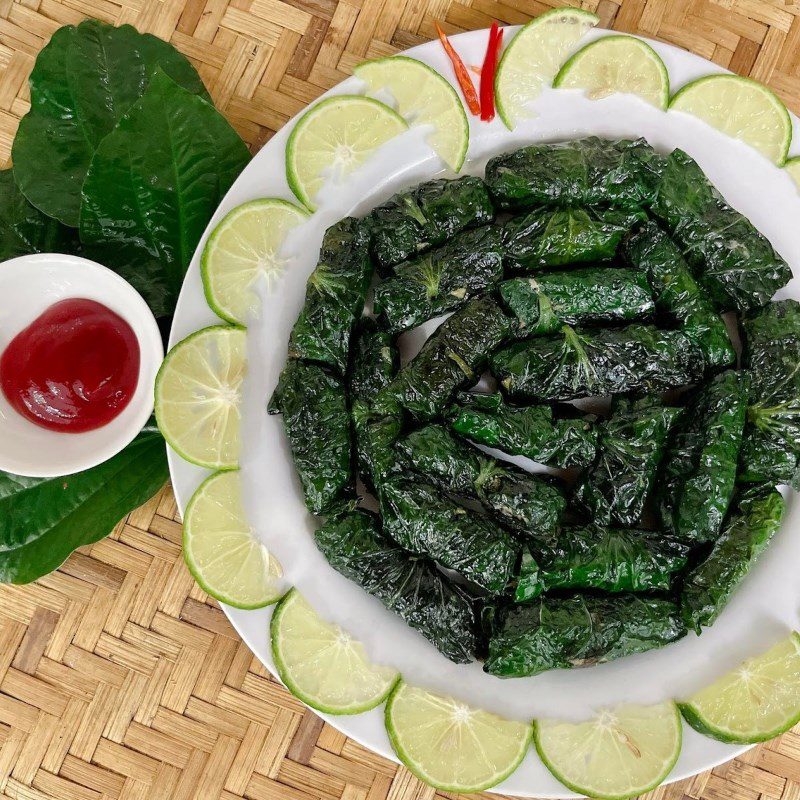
[{"x": 73, "y": 369}]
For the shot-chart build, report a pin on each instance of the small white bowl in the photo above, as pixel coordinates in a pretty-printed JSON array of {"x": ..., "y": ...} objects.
[{"x": 28, "y": 286}]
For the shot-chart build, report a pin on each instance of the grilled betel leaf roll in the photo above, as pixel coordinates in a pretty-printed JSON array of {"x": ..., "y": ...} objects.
[
  {"x": 451, "y": 358},
  {"x": 677, "y": 293},
  {"x": 335, "y": 295},
  {"x": 422, "y": 520},
  {"x": 698, "y": 473},
  {"x": 440, "y": 280},
  {"x": 733, "y": 262},
  {"x": 747, "y": 532},
  {"x": 588, "y": 296},
  {"x": 602, "y": 559},
  {"x": 313, "y": 406},
  {"x": 530, "y": 431},
  {"x": 615, "y": 488},
  {"x": 523, "y": 501},
  {"x": 582, "y": 172},
  {"x": 771, "y": 446},
  {"x": 409, "y": 586},
  {"x": 585, "y": 363},
  {"x": 559, "y": 633},
  {"x": 548, "y": 237},
  {"x": 428, "y": 215}
]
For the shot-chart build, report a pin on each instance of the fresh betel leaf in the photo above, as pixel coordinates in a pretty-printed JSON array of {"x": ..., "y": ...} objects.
[
  {"x": 83, "y": 81},
  {"x": 152, "y": 186},
  {"x": 42, "y": 520},
  {"x": 24, "y": 229}
]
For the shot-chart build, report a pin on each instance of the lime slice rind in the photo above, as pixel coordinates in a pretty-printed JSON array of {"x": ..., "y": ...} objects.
[
  {"x": 617, "y": 64},
  {"x": 243, "y": 249},
  {"x": 221, "y": 550},
  {"x": 792, "y": 166},
  {"x": 741, "y": 108},
  {"x": 422, "y": 96},
  {"x": 321, "y": 665}
]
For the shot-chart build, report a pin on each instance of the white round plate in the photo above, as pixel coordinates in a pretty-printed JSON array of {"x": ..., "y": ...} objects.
[{"x": 763, "y": 609}]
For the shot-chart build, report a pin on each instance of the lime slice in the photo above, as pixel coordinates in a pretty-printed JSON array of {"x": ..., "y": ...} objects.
[
  {"x": 243, "y": 250},
  {"x": 198, "y": 391},
  {"x": 742, "y": 108},
  {"x": 423, "y": 97},
  {"x": 792, "y": 166},
  {"x": 334, "y": 137},
  {"x": 450, "y": 745},
  {"x": 533, "y": 58},
  {"x": 222, "y": 551},
  {"x": 321, "y": 664},
  {"x": 617, "y": 64},
  {"x": 753, "y": 703},
  {"x": 621, "y": 752}
]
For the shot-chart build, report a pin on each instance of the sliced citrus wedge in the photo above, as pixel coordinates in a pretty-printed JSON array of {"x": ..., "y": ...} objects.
[{"x": 792, "y": 166}]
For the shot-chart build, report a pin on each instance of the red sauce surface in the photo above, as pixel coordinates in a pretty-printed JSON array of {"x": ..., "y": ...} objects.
[{"x": 73, "y": 369}]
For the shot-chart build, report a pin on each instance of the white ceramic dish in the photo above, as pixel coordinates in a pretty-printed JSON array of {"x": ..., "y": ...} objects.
[
  {"x": 761, "y": 611},
  {"x": 28, "y": 286}
]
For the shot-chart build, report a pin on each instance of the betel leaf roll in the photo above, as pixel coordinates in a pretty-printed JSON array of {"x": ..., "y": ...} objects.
[
  {"x": 577, "y": 297},
  {"x": 530, "y": 431},
  {"x": 582, "y": 172},
  {"x": 440, "y": 280},
  {"x": 335, "y": 295},
  {"x": 677, "y": 293},
  {"x": 578, "y": 630},
  {"x": 698, "y": 477},
  {"x": 733, "y": 262},
  {"x": 417, "y": 219},
  {"x": 602, "y": 559},
  {"x": 605, "y": 361},
  {"x": 422, "y": 520},
  {"x": 526, "y": 502},
  {"x": 547, "y": 237},
  {"x": 771, "y": 354},
  {"x": 409, "y": 586},
  {"x": 748, "y": 530},
  {"x": 615, "y": 488},
  {"x": 451, "y": 358},
  {"x": 313, "y": 406}
]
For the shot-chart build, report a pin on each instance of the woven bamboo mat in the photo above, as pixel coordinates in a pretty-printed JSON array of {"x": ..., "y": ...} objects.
[{"x": 119, "y": 678}]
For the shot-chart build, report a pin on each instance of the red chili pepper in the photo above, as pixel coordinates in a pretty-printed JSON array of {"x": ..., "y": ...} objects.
[
  {"x": 488, "y": 70},
  {"x": 464, "y": 80}
]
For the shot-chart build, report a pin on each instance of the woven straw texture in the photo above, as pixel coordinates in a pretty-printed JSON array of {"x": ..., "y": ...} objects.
[{"x": 119, "y": 677}]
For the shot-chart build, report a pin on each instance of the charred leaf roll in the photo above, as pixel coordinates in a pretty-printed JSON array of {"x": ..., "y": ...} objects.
[
  {"x": 548, "y": 237},
  {"x": 733, "y": 262},
  {"x": 423, "y": 521},
  {"x": 771, "y": 447},
  {"x": 530, "y": 431},
  {"x": 451, "y": 358},
  {"x": 602, "y": 559},
  {"x": 442, "y": 280},
  {"x": 417, "y": 219},
  {"x": 528, "y": 503},
  {"x": 335, "y": 295},
  {"x": 606, "y": 361},
  {"x": 615, "y": 489},
  {"x": 411, "y": 587},
  {"x": 582, "y": 172},
  {"x": 559, "y": 633},
  {"x": 747, "y": 532},
  {"x": 677, "y": 294},
  {"x": 699, "y": 468},
  {"x": 313, "y": 405},
  {"x": 598, "y": 296}
]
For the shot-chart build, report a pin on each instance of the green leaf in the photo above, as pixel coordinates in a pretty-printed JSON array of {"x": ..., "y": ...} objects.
[
  {"x": 24, "y": 229},
  {"x": 152, "y": 186},
  {"x": 42, "y": 520},
  {"x": 83, "y": 82}
]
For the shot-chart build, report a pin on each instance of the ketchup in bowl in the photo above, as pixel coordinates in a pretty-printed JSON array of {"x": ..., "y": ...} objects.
[{"x": 73, "y": 369}]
